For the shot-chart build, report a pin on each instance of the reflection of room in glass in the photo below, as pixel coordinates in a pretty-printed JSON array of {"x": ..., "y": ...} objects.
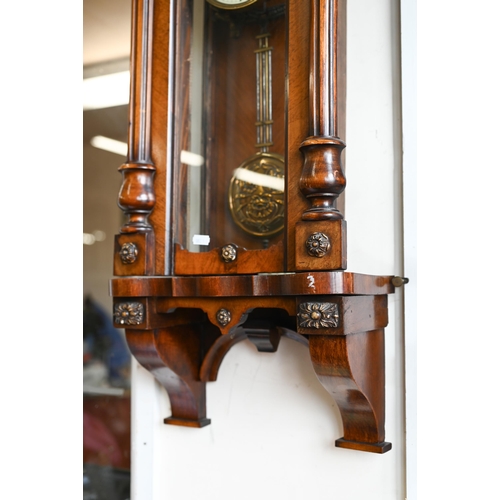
[
  {"x": 106, "y": 406},
  {"x": 106, "y": 358},
  {"x": 106, "y": 430}
]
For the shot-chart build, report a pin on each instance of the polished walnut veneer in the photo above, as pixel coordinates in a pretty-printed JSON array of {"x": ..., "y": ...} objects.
[{"x": 183, "y": 310}]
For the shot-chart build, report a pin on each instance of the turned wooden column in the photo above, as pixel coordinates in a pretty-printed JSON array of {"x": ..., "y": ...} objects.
[
  {"x": 137, "y": 197},
  {"x": 322, "y": 179}
]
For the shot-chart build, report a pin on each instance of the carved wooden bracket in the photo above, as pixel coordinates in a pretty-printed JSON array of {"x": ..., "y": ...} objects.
[{"x": 182, "y": 339}]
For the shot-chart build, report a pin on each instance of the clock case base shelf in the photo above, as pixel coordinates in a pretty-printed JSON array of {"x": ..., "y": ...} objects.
[{"x": 182, "y": 338}]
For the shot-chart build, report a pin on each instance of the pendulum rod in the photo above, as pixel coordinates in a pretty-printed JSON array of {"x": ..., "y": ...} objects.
[
  {"x": 264, "y": 94},
  {"x": 256, "y": 189}
]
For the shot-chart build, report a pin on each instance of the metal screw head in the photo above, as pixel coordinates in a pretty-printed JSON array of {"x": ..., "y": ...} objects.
[
  {"x": 223, "y": 317},
  {"x": 399, "y": 281},
  {"x": 128, "y": 253},
  {"x": 228, "y": 253},
  {"x": 318, "y": 244}
]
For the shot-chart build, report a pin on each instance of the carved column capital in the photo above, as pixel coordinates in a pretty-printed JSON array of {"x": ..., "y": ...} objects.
[
  {"x": 137, "y": 198},
  {"x": 322, "y": 179}
]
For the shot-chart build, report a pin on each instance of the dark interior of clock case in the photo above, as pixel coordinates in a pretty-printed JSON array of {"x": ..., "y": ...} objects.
[{"x": 219, "y": 115}]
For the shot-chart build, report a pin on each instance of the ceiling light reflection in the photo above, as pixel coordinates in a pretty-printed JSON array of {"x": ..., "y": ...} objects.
[
  {"x": 192, "y": 159},
  {"x": 91, "y": 238},
  {"x": 107, "y": 144},
  {"x": 106, "y": 91},
  {"x": 276, "y": 183}
]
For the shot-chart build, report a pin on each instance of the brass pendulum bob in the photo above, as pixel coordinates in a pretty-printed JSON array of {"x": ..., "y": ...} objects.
[{"x": 256, "y": 190}]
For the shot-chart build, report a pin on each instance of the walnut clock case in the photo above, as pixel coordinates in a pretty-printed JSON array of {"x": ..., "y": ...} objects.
[{"x": 234, "y": 169}]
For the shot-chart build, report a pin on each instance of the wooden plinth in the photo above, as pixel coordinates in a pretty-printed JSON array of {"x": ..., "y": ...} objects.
[{"x": 180, "y": 329}]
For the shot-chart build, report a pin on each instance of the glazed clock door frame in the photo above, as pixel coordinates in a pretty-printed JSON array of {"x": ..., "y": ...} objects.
[{"x": 228, "y": 133}]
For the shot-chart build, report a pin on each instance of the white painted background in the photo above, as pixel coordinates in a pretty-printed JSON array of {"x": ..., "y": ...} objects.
[{"x": 273, "y": 425}]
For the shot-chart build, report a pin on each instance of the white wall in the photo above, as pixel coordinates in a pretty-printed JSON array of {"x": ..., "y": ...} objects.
[{"x": 273, "y": 425}]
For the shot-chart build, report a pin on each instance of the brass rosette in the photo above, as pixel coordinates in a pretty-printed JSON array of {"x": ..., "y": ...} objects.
[{"x": 259, "y": 210}]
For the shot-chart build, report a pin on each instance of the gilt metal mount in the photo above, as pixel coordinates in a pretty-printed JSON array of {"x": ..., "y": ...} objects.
[
  {"x": 318, "y": 315},
  {"x": 223, "y": 317},
  {"x": 128, "y": 253},
  {"x": 129, "y": 313},
  {"x": 318, "y": 245}
]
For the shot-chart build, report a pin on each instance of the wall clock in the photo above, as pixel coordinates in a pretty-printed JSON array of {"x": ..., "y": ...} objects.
[{"x": 230, "y": 190}]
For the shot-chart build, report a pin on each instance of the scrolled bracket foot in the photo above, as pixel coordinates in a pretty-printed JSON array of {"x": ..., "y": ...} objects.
[
  {"x": 380, "y": 448},
  {"x": 187, "y": 423},
  {"x": 351, "y": 368},
  {"x": 173, "y": 354}
]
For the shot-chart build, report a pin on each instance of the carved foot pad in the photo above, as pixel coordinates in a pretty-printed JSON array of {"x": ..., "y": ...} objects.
[
  {"x": 370, "y": 447},
  {"x": 202, "y": 422}
]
